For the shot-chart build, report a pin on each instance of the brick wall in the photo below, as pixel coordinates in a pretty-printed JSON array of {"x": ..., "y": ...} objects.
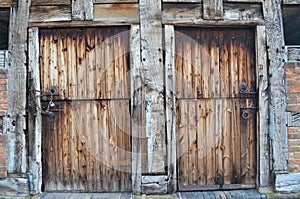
[
  {"x": 3, "y": 136},
  {"x": 292, "y": 72}
]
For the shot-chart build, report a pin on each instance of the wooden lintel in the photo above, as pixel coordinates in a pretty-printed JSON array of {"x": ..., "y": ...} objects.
[
  {"x": 49, "y": 13},
  {"x": 72, "y": 24},
  {"x": 115, "y": 1},
  {"x": 213, "y": 9}
]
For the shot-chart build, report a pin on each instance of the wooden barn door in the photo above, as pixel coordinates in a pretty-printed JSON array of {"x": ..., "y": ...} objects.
[
  {"x": 216, "y": 108},
  {"x": 86, "y": 140}
]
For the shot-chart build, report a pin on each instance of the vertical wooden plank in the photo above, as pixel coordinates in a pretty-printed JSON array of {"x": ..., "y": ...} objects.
[
  {"x": 81, "y": 64},
  {"x": 192, "y": 142},
  {"x": 224, "y": 41},
  {"x": 214, "y": 64},
  {"x": 205, "y": 59},
  {"x": 179, "y": 64},
  {"x": 262, "y": 82},
  {"x": 277, "y": 104},
  {"x": 213, "y": 9},
  {"x": 136, "y": 108},
  {"x": 201, "y": 142},
  {"x": 34, "y": 118},
  {"x": 227, "y": 141},
  {"x": 234, "y": 70},
  {"x": 90, "y": 64},
  {"x": 187, "y": 74},
  {"x": 236, "y": 138},
  {"x": 82, "y": 10},
  {"x": 152, "y": 63},
  {"x": 170, "y": 105},
  {"x": 210, "y": 139}
]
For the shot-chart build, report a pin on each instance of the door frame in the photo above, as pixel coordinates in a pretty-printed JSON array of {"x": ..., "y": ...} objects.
[{"x": 262, "y": 128}]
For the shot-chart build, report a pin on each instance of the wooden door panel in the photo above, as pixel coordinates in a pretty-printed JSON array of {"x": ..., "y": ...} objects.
[
  {"x": 216, "y": 108},
  {"x": 214, "y": 63},
  {"x": 86, "y": 120},
  {"x": 215, "y": 144},
  {"x": 86, "y": 146},
  {"x": 90, "y": 63}
]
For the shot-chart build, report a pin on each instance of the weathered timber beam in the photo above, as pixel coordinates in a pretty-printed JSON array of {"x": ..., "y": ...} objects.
[
  {"x": 213, "y": 9},
  {"x": 276, "y": 59},
  {"x": 291, "y": 1},
  {"x": 49, "y": 13},
  {"x": 82, "y": 10}
]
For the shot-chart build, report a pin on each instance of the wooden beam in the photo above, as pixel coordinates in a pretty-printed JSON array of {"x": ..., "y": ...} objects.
[
  {"x": 136, "y": 108},
  {"x": 123, "y": 13},
  {"x": 49, "y": 2},
  {"x": 153, "y": 82},
  {"x": 7, "y": 3},
  {"x": 263, "y": 130},
  {"x": 115, "y": 1},
  {"x": 213, "y": 9},
  {"x": 287, "y": 182},
  {"x": 49, "y": 13},
  {"x": 276, "y": 58},
  {"x": 82, "y": 10},
  {"x": 182, "y": 1},
  {"x": 293, "y": 53},
  {"x": 170, "y": 107},
  {"x": 34, "y": 107},
  {"x": 291, "y": 1},
  {"x": 17, "y": 74}
]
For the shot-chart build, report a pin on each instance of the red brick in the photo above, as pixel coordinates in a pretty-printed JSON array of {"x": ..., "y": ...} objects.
[
  {"x": 293, "y": 108},
  {"x": 3, "y": 76},
  {"x": 297, "y": 155},
  {"x": 3, "y": 106},
  {"x": 294, "y": 130},
  {"x": 3, "y": 81},
  {"x": 297, "y": 162},
  {"x": 3, "y": 174},
  {"x": 294, "y": 168}
]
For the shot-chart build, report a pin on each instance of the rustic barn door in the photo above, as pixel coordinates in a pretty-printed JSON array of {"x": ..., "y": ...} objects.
[
  {"x": 86, "y": 140},
  {"x": 216, "y": 108}
]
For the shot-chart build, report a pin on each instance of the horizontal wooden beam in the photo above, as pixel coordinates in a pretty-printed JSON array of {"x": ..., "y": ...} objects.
[
  {"x": 234, "y": 13},
  {"x": 49, "y": 2},
  {"x": 245, "y": 1},
  {"x": 115, "y": 1},
  {"x": 7, "y": 3},
  {"x": 182, "y": 1},
  {"x": 49, "y": 13},
  {"x": 123, "y": 13},
  {"x": 291, "y": 1},
  {"x": 293, "y": 53}
]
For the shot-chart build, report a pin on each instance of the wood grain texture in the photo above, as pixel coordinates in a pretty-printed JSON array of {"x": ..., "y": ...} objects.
[
  {"x": 82, "y": 10},
  {"x": 216, "y": 143},
  {"x": 277, "y": 100},
  {"x": 86, "y": 139},
  {"x": 293, "y": 54},
  {"x": 50, "y": 13},
  {"x": 153, "y": 81},
  {"x": 115, "y": 1},
  {"x": 116, "y": 12},
  {"x": 213, "y": 9},
  {"x": 49, "y": 2},
  {"x": 291, "y": 1}
]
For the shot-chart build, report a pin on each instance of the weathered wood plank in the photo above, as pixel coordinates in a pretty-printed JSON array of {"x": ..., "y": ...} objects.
[
  {"x": 115, "y": 1},
  {"x": 49, "y": 2},
  {"x": 82, "y": 10},
  {"x": 277, "y": 103},
  {"x": 7, "y": 3},
  {"x": 152, "y": 66},
  {"x": 182, "y": 1},
  {"x": 50, "y": 13},
  {"x": 293, "y": 54},
  {"x": 262, "y": 82},
  {"x": 243, "y": 11},
  {"x": 287, "y": 182},
  {"x": 34, "y": 118},
  {"x": 291, "y": 1},
  {"x": 170, "y": 107},
  {"x": 181, "y": 11},
  {"x": 213, "y": 9},
  {"x": 17, "y": 76},
  {"x": 116, "y": 13},
  {"x": 136, "y": 108}
]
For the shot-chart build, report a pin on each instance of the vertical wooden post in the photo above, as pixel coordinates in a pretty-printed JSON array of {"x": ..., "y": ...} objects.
[
  {"x": 153, "y": 83},
  {"x": 213, "y": 9},
  {"x": 136, "y": 108},
  {"x": 17, "y": 72},
  {"x": 34, "y": 107},
  {"x": 262, "y": 136},
  {"x": 170, "y": 107},
  {"x": 82, "y": 10},
  {"x": 277, "y": 57}
]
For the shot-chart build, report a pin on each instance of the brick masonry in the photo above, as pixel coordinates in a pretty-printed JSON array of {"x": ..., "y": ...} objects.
[
  {"x": 292, "y": 76},
  {"x": 3, "y": 136}
]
